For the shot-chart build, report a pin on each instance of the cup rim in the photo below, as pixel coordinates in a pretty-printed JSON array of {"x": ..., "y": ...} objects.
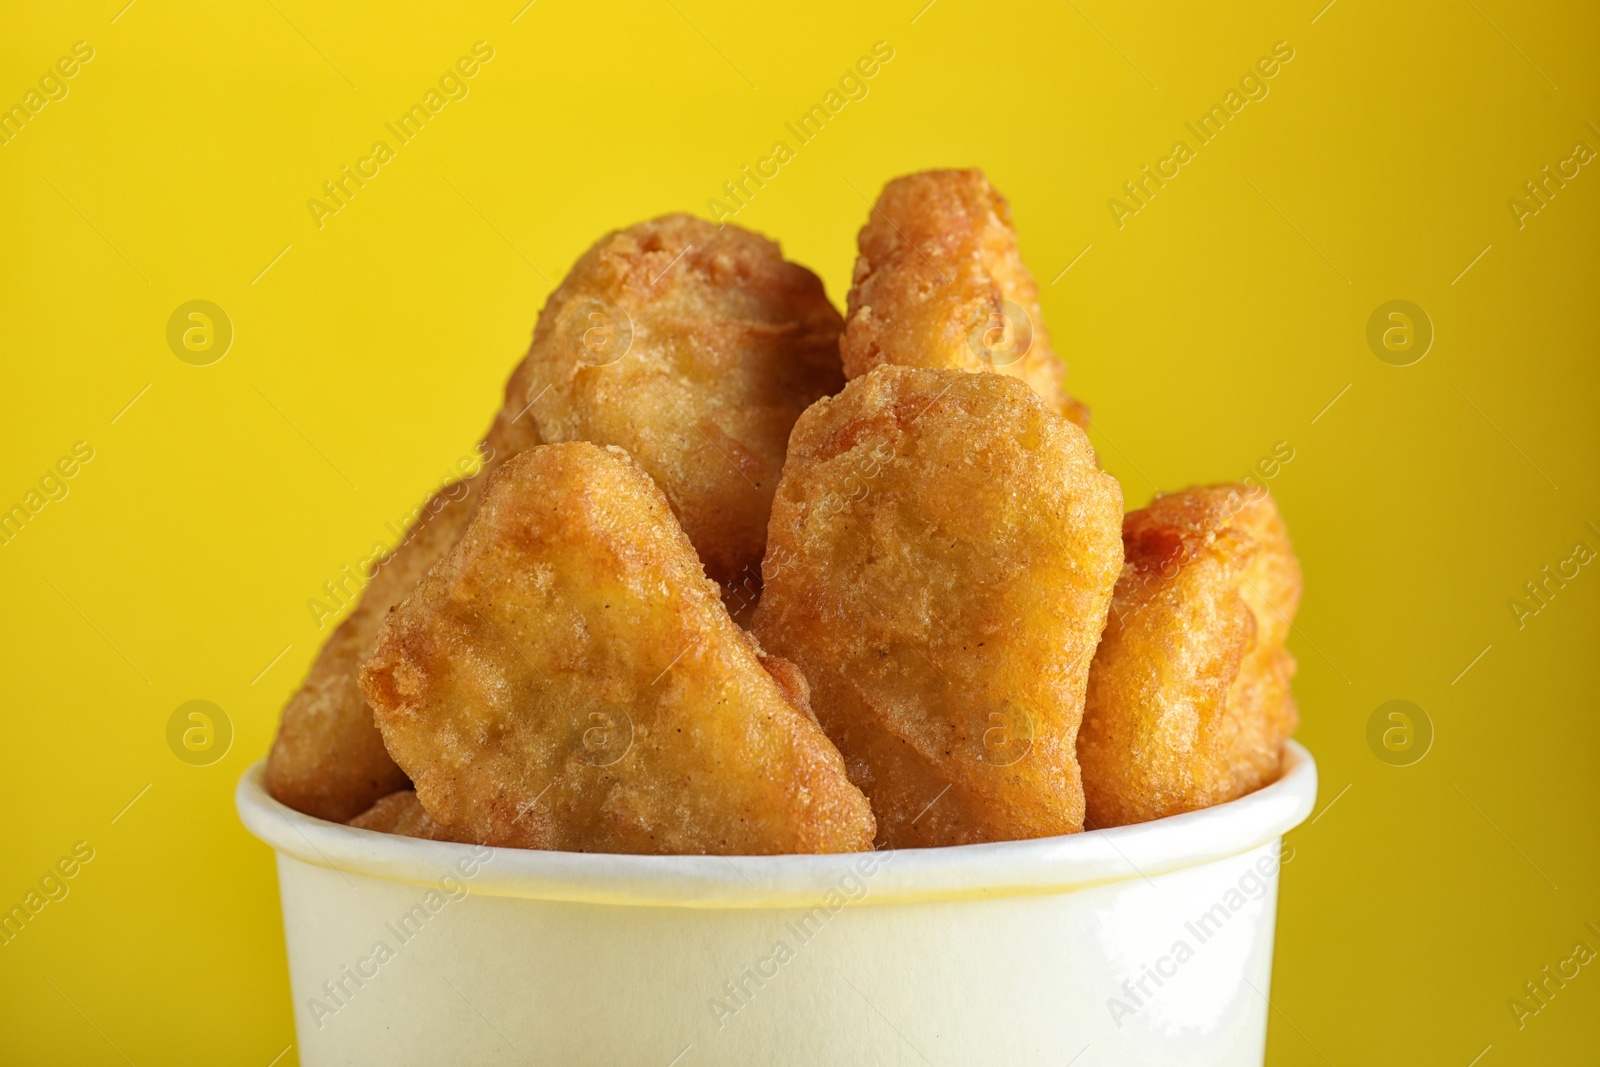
[{"x": 995, "y": 869}]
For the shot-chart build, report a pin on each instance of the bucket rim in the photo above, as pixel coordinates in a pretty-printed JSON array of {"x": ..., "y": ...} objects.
[{"x": 955, "y": 872}]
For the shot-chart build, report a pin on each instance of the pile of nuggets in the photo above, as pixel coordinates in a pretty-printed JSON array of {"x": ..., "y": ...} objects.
[{"x": 739, "y": 576}]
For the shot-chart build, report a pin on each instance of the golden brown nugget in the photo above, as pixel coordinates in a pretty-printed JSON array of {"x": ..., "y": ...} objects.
[
  {"x": 328, "y": 759},
  {"x": 567, "y": 678},
  {"x": 695, "y": 348},
  {"x": 939, "y": 283},
  {"x": 1189, "y": 702},
  {"x": 402, "y": 813},
  {"x": 941, "y": 557}
]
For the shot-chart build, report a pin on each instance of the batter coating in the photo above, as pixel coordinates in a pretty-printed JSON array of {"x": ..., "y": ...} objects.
[
  {"x": 939, "y": 283},
  {"x": 567, "y": 678},
  {"x": 695, "y": 348},
  {"x": 941, "y": 556},
  {"x": 1189, "y": 702},
  {"x": 401, "y": 813}
]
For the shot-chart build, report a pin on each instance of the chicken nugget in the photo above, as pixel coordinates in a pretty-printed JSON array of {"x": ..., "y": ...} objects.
[
  {"x": 1189, "y": 702},
  {"x": 941, "y": 556},
  {"x": 694, "y": 347},
  {"x": 328, "y": 759},
  {"x": 939, "y": 283},
  {"x": 402, "y": 813},
  {"x": 567, "y": 678}
]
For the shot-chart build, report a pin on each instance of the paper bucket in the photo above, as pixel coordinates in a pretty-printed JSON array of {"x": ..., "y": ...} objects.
[{"x": 1147, "y": 944}]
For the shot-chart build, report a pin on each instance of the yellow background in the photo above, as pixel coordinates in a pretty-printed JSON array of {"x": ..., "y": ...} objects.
[{"x": 1220, "y": 320}]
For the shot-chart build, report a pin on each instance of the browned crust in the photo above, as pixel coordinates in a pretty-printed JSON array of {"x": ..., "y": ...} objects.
[
  {"x": 727, "y": 343},
  {"x": 402, "y": 813},
  {"x": 938, "y": 265},
  {"x": 941, "y": 556},
  {"x": 573, "y": 594},
  {"x": 1189, "y": 701}
]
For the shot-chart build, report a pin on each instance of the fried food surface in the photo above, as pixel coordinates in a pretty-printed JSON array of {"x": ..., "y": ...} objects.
[
  {"x": 567, "y": 678},
  {"x": 1189, "y": 702},
  {"x": 939, "y": 283},
  {"x": 402, "y": 813},
  {"x": 941, "y": 557},
  {"x": 695, "y": 348},
  {"x": 328, "y": 759}
]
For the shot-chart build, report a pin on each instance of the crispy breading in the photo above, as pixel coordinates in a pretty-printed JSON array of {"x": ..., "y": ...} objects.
[
  {"x": 941, "y": 556},
  {"x": 328, "y": 759},
  {"x": 694, "y": 347},
  {"x": 567, "y": 678},
  {"x": 1189, "y": 701},
  {"x": 402, "y": 813},
  {"x": 939, "y": 282}
]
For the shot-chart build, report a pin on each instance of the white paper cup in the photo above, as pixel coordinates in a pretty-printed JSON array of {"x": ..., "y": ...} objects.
[{"x": 1147, "y": 944}]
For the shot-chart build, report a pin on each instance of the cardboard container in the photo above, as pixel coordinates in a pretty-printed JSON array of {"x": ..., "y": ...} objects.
[{"x": 1147, "y": 944}]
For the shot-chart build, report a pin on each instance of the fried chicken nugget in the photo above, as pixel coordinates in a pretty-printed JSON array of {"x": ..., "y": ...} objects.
[
  {"x": 695, "y": 348},
  {"x": 328, "y": 759},
  {"x": 1189, "y": 702},
  {"x": 567, "y": 678},
  {"x": 401, "y": 813},
  {"x": 939, "y": 283},
  {"x": 941, "y": 557}
]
